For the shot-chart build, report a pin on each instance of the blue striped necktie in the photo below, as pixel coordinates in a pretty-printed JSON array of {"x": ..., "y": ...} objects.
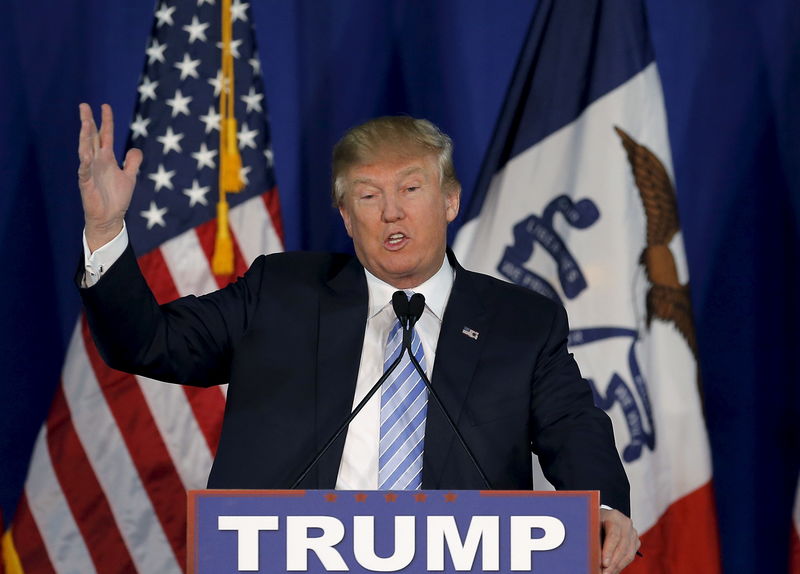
[{"x": 404, "y": 406}]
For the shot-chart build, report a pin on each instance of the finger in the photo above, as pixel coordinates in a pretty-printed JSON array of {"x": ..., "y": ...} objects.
[
  {"x": 133, "y": 160},
  {"x": 617, "y": 561},
  {"x": 95, "y": 136},
  {"x": 610, "y": 543},
  {"x": 88, "y": 131},
  {"x": 106, "y": 127},
  {"x": 84, "y": 172},
  {"x": 623, "y": 554},
  {"x": 85, "y": 111}
]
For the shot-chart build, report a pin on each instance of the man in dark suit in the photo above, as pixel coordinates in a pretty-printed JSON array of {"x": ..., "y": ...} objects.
[{"x": 301, "y": 338}]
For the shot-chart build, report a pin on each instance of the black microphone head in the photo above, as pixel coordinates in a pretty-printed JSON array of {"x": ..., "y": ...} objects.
[
  {"x": 400, "y": 306},
  {"x": 415, "y": 307}
]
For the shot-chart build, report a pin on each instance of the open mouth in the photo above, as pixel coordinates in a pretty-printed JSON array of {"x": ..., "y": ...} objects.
[{"x": 396, "y": 240}]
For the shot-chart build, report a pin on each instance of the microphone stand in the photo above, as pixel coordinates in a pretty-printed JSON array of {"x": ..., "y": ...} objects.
[
  {"x": 347, "y": 422},
  {"x": 400, "y": 305}
]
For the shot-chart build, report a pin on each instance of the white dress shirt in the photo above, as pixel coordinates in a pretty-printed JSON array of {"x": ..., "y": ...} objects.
[{"x": 359, "y": 467}]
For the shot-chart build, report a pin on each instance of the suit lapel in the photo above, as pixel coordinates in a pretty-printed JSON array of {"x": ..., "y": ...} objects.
[
  {"x": 457, "y": 355},
  {"x": 342, "y": 317}
]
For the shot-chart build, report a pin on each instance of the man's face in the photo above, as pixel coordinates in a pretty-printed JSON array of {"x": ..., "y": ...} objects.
[{"x": 395, "y": 210}]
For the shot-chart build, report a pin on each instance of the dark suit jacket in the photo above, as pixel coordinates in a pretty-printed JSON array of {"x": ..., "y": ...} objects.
[{"x": 288, "y": 337}]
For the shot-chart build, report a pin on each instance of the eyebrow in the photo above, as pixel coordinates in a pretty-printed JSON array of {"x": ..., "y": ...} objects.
[{"x": 406, "y": 172}]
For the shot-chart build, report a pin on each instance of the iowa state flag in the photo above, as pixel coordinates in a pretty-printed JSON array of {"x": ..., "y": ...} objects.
[{"x": 576, "y": 201}]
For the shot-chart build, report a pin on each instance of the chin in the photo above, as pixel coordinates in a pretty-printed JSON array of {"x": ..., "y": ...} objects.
[
  {"x": 399, "y": 274},
  {"x": 395, "y": 274}
]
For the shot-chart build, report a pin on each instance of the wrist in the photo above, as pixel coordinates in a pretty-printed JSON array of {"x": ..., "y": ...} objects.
[{"x": 98, "y": 234}]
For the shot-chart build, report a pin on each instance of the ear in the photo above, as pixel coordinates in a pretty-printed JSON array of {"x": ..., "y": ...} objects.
[
  {"x": 345, "y": 218},
  {"x": 452, "y": 201}
]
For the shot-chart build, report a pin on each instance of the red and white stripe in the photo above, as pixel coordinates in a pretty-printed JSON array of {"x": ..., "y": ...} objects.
[{"x": 106, "y": 488}]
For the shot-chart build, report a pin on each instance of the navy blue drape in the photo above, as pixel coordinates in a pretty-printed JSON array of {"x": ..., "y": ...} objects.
[{"x": 731, "y": 74}]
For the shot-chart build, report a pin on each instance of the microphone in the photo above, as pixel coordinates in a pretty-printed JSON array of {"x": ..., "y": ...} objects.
[
  {"x": 415, "y": 308},
  {"x": 408, "y": 312},
  {"x": 400, "y": 304}
]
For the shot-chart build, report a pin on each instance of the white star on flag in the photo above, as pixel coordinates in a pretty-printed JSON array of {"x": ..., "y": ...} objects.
[
  {"x": 154, "y": 215},
  {"x": 179, "y": 104},
  {"x": 164, "y": 15},
  {"x": 155, "y": 52},
  {"x": 234, "y": 47},
  {"x": 147, "y": 89},
  {"x": 255, "y": 63},
  {"x": 201, "y": 2},
  {"x": 253, "y": 100},
  {"x": 162, "y": 177},
  {"x": 243, "y": 173},
  {"x": 139, "y": 126},
  {"x": 268, "y": 155},
  {"x": 205, "y": 157},
  {"x": 196, "y": 30},
  {"x": 247, "y": 137},
  {"x": 171, "y": 141},
  {"x": 197, "y": 193},
  {"x": 188, "y": 67},
  {"x": 211, "y": 119},
  {"x": 238, "y": 11},
  {"x": 217, "y": 82}
]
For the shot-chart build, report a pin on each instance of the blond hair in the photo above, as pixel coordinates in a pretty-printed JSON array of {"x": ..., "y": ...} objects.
[{"x": 398, "y": 133}]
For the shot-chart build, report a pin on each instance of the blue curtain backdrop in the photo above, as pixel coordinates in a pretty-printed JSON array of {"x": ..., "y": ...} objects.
[{"x": 731, "y": 74}]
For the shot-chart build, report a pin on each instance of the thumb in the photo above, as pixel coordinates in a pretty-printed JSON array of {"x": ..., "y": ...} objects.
[{"x": 133, "y": 160}]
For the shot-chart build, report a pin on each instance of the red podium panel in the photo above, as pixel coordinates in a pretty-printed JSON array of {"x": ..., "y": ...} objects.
[{"x": 318, "y": 531}]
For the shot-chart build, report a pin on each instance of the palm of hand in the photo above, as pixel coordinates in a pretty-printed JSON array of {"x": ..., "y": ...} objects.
[{"x": 106, "y": 190}]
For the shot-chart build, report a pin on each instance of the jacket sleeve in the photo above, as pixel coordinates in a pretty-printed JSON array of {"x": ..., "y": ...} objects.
[
  {"x": 188, "y": 341},
  {"x": 573, "y": 439}
]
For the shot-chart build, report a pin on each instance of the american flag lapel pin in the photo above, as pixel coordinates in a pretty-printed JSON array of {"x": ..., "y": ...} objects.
[{"x": 471, "y": 333}]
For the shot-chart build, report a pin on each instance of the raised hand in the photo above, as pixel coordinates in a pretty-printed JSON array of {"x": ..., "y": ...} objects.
[{"x": 106, "y": 190}]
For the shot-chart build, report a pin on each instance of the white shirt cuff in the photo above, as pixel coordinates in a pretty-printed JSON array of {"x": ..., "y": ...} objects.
[{"x": 97, "y": 263}]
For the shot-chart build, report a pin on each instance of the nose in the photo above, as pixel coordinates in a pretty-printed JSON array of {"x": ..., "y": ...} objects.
[{"x": 392, "y": 207}]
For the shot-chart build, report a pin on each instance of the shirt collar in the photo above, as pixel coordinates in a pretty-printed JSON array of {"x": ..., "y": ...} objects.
[{"x": 436, "y": 291}]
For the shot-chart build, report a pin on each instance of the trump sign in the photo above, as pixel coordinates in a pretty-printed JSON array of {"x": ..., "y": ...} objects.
[{"x": 408, "y": 531}]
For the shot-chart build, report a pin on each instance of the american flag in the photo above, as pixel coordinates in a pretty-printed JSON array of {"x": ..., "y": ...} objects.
[{"x": 106, "y": 487}]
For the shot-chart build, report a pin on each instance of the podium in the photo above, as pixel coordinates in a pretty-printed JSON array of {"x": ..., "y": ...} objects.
[{"x": 320, "y": 531}]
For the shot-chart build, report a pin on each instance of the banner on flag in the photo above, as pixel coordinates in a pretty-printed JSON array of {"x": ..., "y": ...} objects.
[
  {"x": 576, "y": 202},
  {"x": 106, "y": 488}
]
